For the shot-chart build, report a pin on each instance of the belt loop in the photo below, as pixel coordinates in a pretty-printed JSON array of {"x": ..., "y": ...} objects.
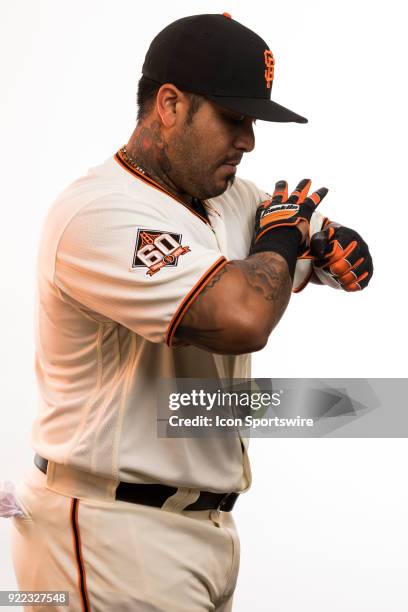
[
  {"x": 73, "y": 482},
  {"x": 182, "y": 498},
  {"x": 215, "y": 516},
  {"x": 50, "y": 474}
]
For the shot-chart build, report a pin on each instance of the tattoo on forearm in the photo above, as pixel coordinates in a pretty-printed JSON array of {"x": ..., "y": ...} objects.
[
  {"x": 215, "y": 278},
  {"x": 266, "y": 273}
]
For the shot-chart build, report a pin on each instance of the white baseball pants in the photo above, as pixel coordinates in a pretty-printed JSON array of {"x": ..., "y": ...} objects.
[{"x": 118, "y": 556}]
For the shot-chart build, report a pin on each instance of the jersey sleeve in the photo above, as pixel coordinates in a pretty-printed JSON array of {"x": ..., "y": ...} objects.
[{"x": 135, "y": 265}]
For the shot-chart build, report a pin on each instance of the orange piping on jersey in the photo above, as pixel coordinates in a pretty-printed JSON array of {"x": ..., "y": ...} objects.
[
  {"x": 122, "y": 162},
  {"x": 190, "y": 297},
  {"x": 78, "y": 556}
]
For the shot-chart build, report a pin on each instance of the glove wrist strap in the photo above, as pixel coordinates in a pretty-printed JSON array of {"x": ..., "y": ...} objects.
[{"x": 282, "y": 240}]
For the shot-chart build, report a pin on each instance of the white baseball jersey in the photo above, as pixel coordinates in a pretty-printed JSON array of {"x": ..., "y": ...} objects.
[{"x": 120, "y": 262}]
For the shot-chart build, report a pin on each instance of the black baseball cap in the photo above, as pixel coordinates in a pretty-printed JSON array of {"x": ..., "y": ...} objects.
[{"x": 215, "y": 56}]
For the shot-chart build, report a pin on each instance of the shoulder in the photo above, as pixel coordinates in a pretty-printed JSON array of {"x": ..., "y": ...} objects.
[
  {"x": 105, "y": 195},
  {"x": 97, "y": 207}
]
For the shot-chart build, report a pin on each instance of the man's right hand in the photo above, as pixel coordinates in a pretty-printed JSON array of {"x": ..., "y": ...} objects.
[
  {"x": 238, "y": 309},
  {"x": 283, "y": 211}
]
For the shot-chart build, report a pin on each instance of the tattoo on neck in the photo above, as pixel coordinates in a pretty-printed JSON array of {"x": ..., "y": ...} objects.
[
  {"x": 151, "y": 147},
  {"x": 150, "y": 150}
]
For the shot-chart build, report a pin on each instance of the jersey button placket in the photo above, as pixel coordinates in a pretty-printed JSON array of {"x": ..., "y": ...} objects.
[{"x": 217, "y": 226}]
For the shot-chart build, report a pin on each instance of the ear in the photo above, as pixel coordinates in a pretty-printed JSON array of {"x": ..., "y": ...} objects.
[{"x": 170, "y": 102}]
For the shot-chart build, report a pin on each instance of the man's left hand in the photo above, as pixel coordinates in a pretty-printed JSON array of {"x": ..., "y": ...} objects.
[{"x": 341, "y": 254}]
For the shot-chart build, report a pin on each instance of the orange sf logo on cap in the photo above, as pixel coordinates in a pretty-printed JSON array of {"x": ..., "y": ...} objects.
[{"x": 270, "y": 67}]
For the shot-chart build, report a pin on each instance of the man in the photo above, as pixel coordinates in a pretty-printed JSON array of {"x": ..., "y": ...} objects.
[{"x": 160, "y": 263}]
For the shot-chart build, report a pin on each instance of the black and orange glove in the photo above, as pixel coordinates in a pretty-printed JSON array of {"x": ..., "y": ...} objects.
[
  {"x": 277, "y": 219},
  {"x": 341, "y": 258}
]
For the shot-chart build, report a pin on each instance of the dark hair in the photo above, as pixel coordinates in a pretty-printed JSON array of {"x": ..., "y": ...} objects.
[{"x": 146, "y": 95}]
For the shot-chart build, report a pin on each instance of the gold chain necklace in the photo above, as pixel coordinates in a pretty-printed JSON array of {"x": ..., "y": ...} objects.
[
  {"x": 131, "y": 161},
  {"x": 134, "y": 164}
]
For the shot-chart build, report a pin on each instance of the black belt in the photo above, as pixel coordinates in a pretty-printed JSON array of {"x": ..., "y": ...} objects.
[{"x": 156, "y": 494}]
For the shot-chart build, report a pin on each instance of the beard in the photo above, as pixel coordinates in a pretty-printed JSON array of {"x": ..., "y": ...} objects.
[
  {"x": 190, "y": 169},
  {"x": 231, "y": 180},
  {"x": 208, "y": 188},
  {"x": 200, "y": 183}
]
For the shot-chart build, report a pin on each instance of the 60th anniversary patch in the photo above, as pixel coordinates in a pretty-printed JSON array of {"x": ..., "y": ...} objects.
[{"x": 156, "y": 249}]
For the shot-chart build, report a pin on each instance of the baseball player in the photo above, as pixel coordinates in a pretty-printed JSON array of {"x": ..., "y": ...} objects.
[{"x": 161, "y": 263}]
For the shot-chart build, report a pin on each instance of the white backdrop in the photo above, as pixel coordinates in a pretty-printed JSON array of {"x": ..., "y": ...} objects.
[{"x": 324, "y": 526}]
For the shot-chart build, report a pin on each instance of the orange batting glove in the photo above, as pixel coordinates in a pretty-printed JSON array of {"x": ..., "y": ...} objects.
[{"x": 341, "y": 258}]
